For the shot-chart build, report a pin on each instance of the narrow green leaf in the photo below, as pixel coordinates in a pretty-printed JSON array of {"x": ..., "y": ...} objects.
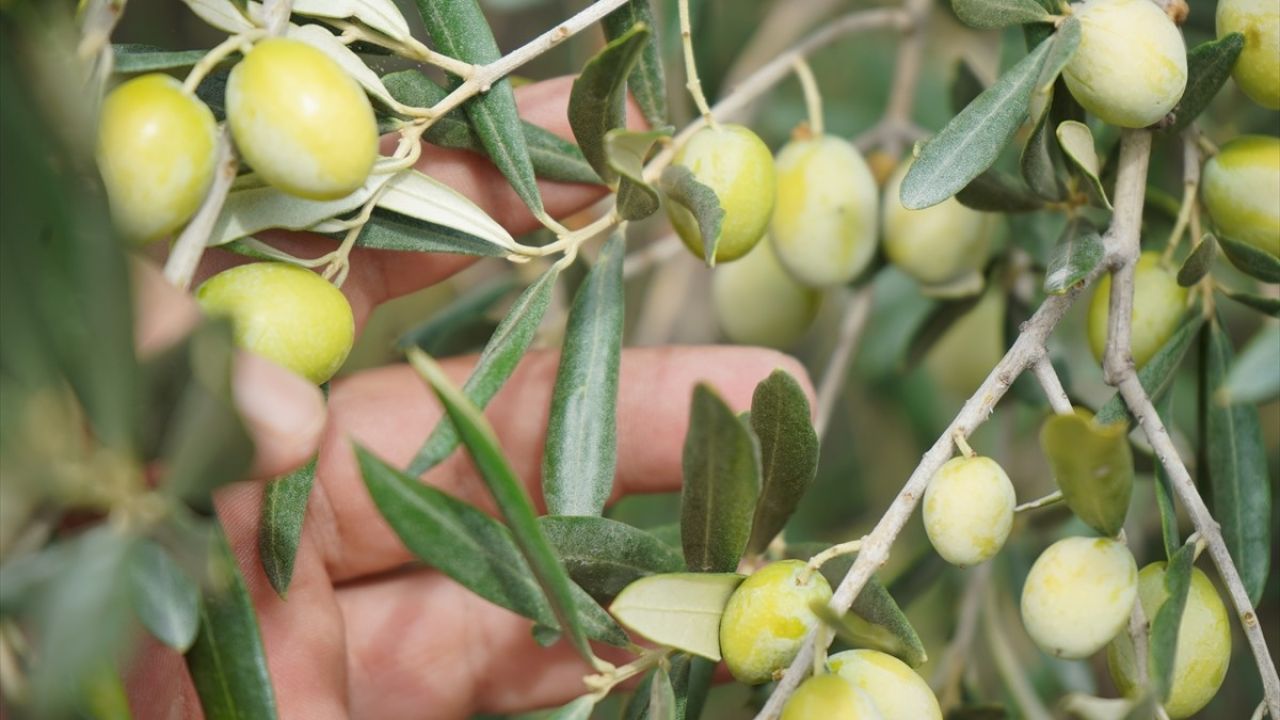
[
  {"x": 1254, "y": 377},
  {"x": 473, "y": 549},
  {"x": 227, "y": 662},
  {"x": 988, "y": 14},
  {"x": 647, "y": 82},
  {"x": 1077, "y": 142},
  {"x": 387, "y": 230},
  {"x": 1209, "y": 65},
  {"x": 721, "y": 481},
  {"x": 284, "y": 507},
  {"x": 1163, "y": 646},
  {"x": 625, "y": 151},
  {"x": 1076, "y": 255},
  {"x": 579, "y": 709},
  {"x": 466, "y": 312},
  {"x": 104, "y": 696},
  {"x": 662, "y": 696},
  {"x": 679, "y": 610},
  {"x": 1261, "y": 303},
  {"x": 459, "y": 29},
  {"x": 1065, "y": 41},
  {"x": 498, "y": 360},
  {"x": 508, "y": 494},
  {"x": 1237, "y": 465},
  {"x": 788, "y": 454},
  {"x": 604, "y": 556},
  {"x": 1199, "y": 262},
  {"x": 1093, "y": 466},
  {"x": 680, "y": 187},
  {"x": 687, "y": 673},
  {"x": 1164, "y": 491},
  {"x": 994, "y": 191},
  {"x": 598, "y": 101},
  {"x": 136, "y": 58},
  {"x": 965, "y": 87},
  {"x": 973, "y": 139},
  {"x": 1250, "y": 260},
  {"x": 1157, "y": 375},
  {"x": 1041, "y": 163},
  {"x": 164, "y": 598}
]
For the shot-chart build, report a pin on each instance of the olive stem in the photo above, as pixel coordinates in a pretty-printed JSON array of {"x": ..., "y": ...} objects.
[
  {"x": 857, "y": 311},
  {"x": 276, "y": 14},
  {"x": 1052, "y": 498},
  {"x": 896, "y": 125},
  {"x": 1007, "y": 664},
  {"x": 817, "y": 561},
  {"x": 962, "y": 444},
  {"x": 340, "y": 263},
  {"x": 812, "y": 96},
  {"x": 1052, "y": 385},
  {"x": 187, "y": 250},
  {"x": 1190, "y": 188},
  {"x": 600, "y": 684},
  {"x": 946, "y": 677},
  {"x": 1261, "y": 712},
  {"x": 693, "y": 84},
  {"x": 1138, "y": 628},
  {"x": 408, "y": 47},
  {"x": 236, "y": 43}
]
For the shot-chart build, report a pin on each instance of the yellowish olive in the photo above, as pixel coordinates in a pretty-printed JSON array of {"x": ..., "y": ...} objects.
[
  {"x": 1078, "y": 596},
  {"x": 968, "y": 510},
  {"x": 1241, "y": 189},
  {"x": 767, "y": 617},
  {"x": 828, "y": 697},
  {"x": 937, "y": 245},
  {"x": 1257, "y": 71},
  {"x": 897, "y": 691},
  {"x": 1158, "y": 304},
  {"x": 757, "y": 303}
]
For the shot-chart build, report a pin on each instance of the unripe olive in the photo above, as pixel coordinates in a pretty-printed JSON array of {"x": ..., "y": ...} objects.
[
  {"x": 824, "y": 225},
  {"x": 300, "y": 120},
  {"x": 1257, "y": 71},
  {"x": 899, "y": 693},
  {"x": 758, "y": 303},
  {"x": 936, "y": 245},
  {"x": 1158, "y": 303},
  {"x": 827, "y": 697},
  {"x": 1078, "y": 595},
  {"x": 1131, "y": 66},
  {"x": 968, "y": 510},
  {"x": 735, "y": 163},
  {"x": 767, "y": 617},
  {"x": 284, "y": 313},
  {"x": 1241, "y": 185},
  {"x": 1204, "y": 643},
  {"x": 156, "y": 153}
]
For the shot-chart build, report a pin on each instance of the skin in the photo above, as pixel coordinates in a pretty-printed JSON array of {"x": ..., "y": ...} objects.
[
  {"x": 757, "y": 303},
  {"x": 381, "y": 640},
  {"x": 1257, "y": 72},
  {"x": 1078, "y": 596},
  {"x": 1158, "y": 303},
  {"x": 937, "y": 245},
  {"x": 896, "y": 690},
  {"x": 767, "y": 618},
  {"x": 830, "y": 698},
  {"x": 1240, "y": 186},
  {"x": 968, "y": 510}
]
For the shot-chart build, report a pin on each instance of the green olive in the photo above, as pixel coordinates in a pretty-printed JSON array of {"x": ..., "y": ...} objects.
[
  {"x": 899, "y": 693},
  {"x": 937, "y": 245},
  {"x": 1131, "y": 66},
  {"x": 824, "y": 225},
  {"x": 767, "y": 617},
  {"x": 757, "y": 303},
  {"x": 968, "y": 510},
  {"x": 1158, "y": 304},
  {"x": 302, "y": 123},
  {"x": 827, "y": 697},
  {"x": 1078, "y": 596},
  {"x": 1240, "y": 186},
  {"x": 736, "y": 164},
  {"x": 1257, "y": 71},
  {"x": 1204, "y": 643},
  {"x": 284, "y": 313},
  {"x": 156, "y": 153}
]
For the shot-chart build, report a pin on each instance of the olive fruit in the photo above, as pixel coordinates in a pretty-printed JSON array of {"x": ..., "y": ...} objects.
[
  {"x": 284, "y": 313},
  {"x": 1204, "y": 643},
  {"x": 936, "y": 245},
  {"x": 1257, "y": 71},
  {"x": 156, "y": 153},
  {"x": 968, "y": 510},
  {"x": 757, "y": 303},
  {"x": 1158, "y": 303},
  {"x": 824, "y": 224},
  {"x": 767, "y": 617},
  {"x": 300, "y": 120},
  {"x": 1078, "y": 595},
  {"x": 1240, "y": 186},
  {"x": 736, "y": 164},
  {"x": 1131, "y": 66},
  {"x": 827, "y": 697},
  {"x": 899, "y": 693}
]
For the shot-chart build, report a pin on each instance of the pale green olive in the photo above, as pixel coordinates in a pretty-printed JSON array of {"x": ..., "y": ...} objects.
[
  {"x": 1131, "y": 66},
  {"x": 824, "y": 225},
  {"x": 767, "y": 617},
  {"x": 899, "y": 693},
  {"x": 284, "y": 313},
  {"x": 937, "y": 245},
  {"x": 1241, "y": 189},
  {"x": 1078, "y": 596},
  {"x": 736, "y": 164},
  {"x": 301, "y": 122},
  {"x": 757, "y": 303},
  {"x": 1257, "y": 71},
  {"x": 1158, "y": 304},
  {"x": 827, "y": 697},
  {"x": 968, "y": 510},
  {"x": 156, "y": 153},
  {"x": 1204, "y": 643}
]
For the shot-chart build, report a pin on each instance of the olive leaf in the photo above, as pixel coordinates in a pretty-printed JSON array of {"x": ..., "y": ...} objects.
[
  {"x": 994, "y": 191},
  {"x": 625, "y": 151},
  {"x": 597, "y": 103},
  {"x": 1164, "y": 491},
  {"x": 647, "y": 81},
  {"x": 965, "y": 86},
  {"x": 1251, "y": 260},
  {"x": 989, "y": 14},
  {"x": 164, "y": 597},
  {"x": 1209, "y": 65},
  {"x": 1157, "y": 375},
  {"x": 381, "y": 15},
  {"x": 604, "y": 556},
  {"x": 133, "y": 58},
  {"x": 1253, "y": 378},
  {"x": 331, "y": 45},
  {"x": 1065, "y": 41},
  {"x": 1199, "y": 262},
  {"x": 284, "y": 507},
  {"x": 678, "y": 610},
  {"x": 681, "y": 187},
  {"x": 1163, "y": 646},
  {"x": 1261, "y": 303},
  {"x": 221, "y": 14},
  {"x": 1093, "y": 465},
  {"x": 388, "y": 230},
  {"x": 788, "y": 454},
  {"x": 1076, "y": 255},
  {"x": 1077, "y": 142},
  {"x": 251, "y": 208}
]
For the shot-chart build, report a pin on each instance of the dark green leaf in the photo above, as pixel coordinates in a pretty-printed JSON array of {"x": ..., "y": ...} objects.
[
  {"x": 1163, "y": 648},
  {"x": 470, "y": 547},
  {"x": 682, "y": 188},
  {"x": 1093, "y": 465},
  {"x": 604, "y": 556},
  {"x": 965, "y": 86},
  {"x": 1041, "y": 162},
  {"x": 1250, "y": 260},
  {"x": 500, "y": 357},
  {"x": 647, "y": 82},
  {"x": 994, "y": 191},
  {"x": 135, "y": 58},
  {"x": 284, "y": 507},
  {"x": 679, "y": 610},
  {"x": 935, "y": 326},
  {"x": 1077, "y": 142},
  {"x": 973, "y": 139},
  {"x": 1237, "y": 457},
  {"x": 464, "y": 312},
  {"x": 598, "y": 102},
  {"x": 387, "y": 230},
  {"x": 978, "y": 712},
  {"x": 1261, "y": 303},
  {"x": 788, "y": 454},
  {"x": 1164, "y": 491},
  {"x": 1199, "y": 262},
  {"x": 510, "y": 497},
  {"x": 625, "y": 151},
  {"x": 721, "y": 482},
  {"x": 164, "y": 598},
  {"x": 1076, "y": 255},
  {"x": 1253, "y": 377},
  {"x": 227, "y": 661},
  {"x": 1157, "y": 375},
  {"x": 999, "y": 13},
  {"x": 1065, "y": 41},
  {"x": 1209, "y": 65}
]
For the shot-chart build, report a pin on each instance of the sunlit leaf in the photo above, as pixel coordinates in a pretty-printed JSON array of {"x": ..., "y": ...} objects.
[{"x": 680, "y": 610}]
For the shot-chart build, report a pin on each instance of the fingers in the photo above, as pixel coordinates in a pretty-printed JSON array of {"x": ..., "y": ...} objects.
[{"x": 390, "y": 412}]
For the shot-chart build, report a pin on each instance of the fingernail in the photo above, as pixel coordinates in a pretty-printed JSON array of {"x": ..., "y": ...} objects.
[{"x": 285, "y": 413}]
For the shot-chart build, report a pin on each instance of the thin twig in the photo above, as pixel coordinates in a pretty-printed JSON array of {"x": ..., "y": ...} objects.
[
  {"x": 1053, "y": 390},
  {"x": 812, "y": 96},
  {"x": 1052, "y": 498},
  {"x": 186, "y": 253},
  {"x": 856, "y": 312},
  {"x": 1121, "y": 244},
  {"x": 951, "y": 665},
  {"x": 896, "y": 127},
  {"x": 1190, "y": 189},
  {"x": 1008, "y": 666},
  {"x": 648, "y": 256},
  {"x": 692, "y": 83}
]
